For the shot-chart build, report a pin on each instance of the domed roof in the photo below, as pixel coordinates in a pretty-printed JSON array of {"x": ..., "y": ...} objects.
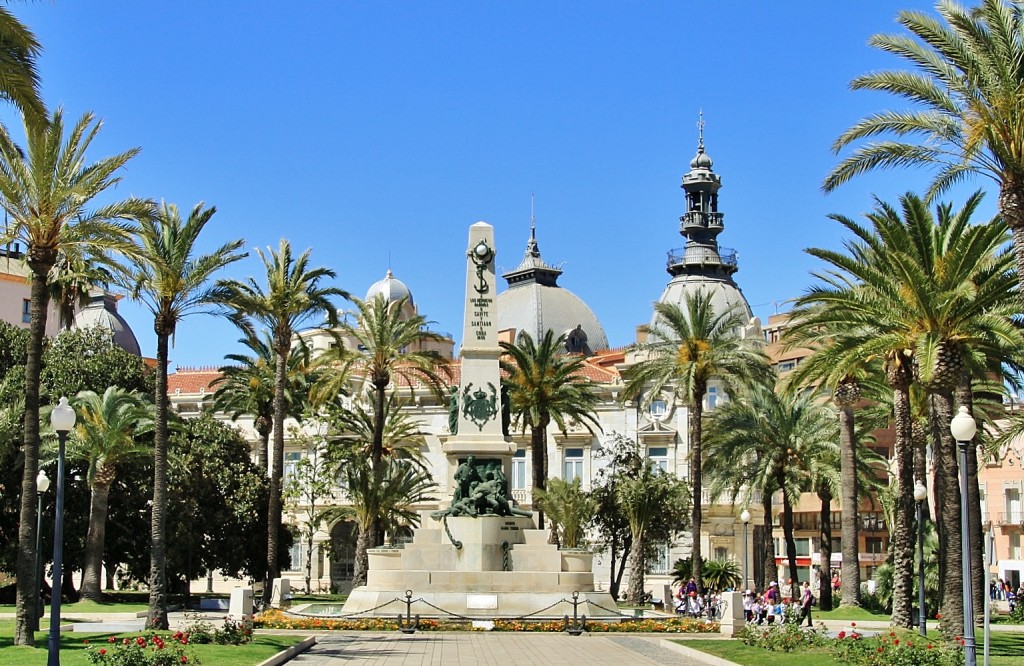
[
  {"x": 534, "y": 303},
  {"x": 701, "y": 160},
  {"x": 725, "y": 295},
  {"x": 393, "y": 290},
  {"x": 102, "y": 311},
  {"x": 536, "y": 309}
]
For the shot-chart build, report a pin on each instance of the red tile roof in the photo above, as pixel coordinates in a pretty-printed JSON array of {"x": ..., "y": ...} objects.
[{"x": 192, "y": 380}]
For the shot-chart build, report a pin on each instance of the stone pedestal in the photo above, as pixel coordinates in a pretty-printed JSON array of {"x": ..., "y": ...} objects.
[
  {"x": 732, "y": 616},
  {"x": 505, "y": 568},
  {"x": 280, "y": 593},
  {"x": 240, "y": 604}
]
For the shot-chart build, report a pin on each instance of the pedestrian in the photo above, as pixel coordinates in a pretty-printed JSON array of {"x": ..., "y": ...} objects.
[
  {"x": 787, "y": 592},
  {"x": 806, "y": 601}
]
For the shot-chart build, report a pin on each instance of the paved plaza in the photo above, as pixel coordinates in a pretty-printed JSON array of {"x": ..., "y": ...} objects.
[{"x": 494, "y": 649}]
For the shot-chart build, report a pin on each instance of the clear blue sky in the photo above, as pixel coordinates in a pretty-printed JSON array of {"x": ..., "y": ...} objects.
[{"x": 375, "y": 133}]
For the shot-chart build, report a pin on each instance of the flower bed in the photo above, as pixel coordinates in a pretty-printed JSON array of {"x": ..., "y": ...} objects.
[
  {"x": 146, "y": 649},
  {"x": 275, "y": 619}
]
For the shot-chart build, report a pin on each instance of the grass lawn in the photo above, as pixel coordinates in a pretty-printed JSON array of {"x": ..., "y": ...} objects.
[
  {"x": 1007, "y": 649},
  {"x": 852, "y": 613},
  {"x": 72, "y": 649}
]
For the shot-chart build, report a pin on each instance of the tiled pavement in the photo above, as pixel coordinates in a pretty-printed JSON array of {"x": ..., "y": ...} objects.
[{"x": 497, "y": 649}]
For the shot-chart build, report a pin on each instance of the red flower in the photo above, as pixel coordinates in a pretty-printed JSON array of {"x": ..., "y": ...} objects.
[
  {"x": 102, "y": 650},
  {"x": 930, "y": 646},
  {"x": 125, "y": 641},
  {"x": 896, "y": 642},
  {"x": 184, "y": 659},
  {"x": 880, "y": 648},
  {"x": 938, "y": 616},
  {"x": 853, "y": 624},
  {"x": 111, "y": 640},
  {"x": 842, "y": 634}
]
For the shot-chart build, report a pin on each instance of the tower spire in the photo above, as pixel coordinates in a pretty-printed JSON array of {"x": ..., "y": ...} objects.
[{"x": 702, "y": 221}]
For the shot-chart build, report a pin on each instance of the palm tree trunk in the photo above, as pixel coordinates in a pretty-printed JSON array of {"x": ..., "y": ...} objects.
[
  {"x": 281, "y": 345},
  {"x": 849, "y": 519},
  {"x": 637, "y": 567},
  {"x": 538, "y": 451},
  {"x": 697, "y": 512},
  {"x": 1011, "y": 206},
  {"x": 947, "y": 515},
  {"x": 771, "y": 570},
  {"x": 261, "y": 452},
  {"x": 965, "y": 397},
  {"x": 157, "y": 613},
  {"x": 28, "y": 595},
  {"x": 902, "y": 545},
  {"x": 825, "y": 553},
  {"x": 787, "y": 530},
  {"x": 92, "y": 577},
  {"x": 361, "y": 561}
]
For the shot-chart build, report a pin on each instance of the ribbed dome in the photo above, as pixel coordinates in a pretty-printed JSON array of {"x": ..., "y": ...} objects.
[
  {"x": 102, "y": 311},
  {"x": 393, "y": 290},
  {"x": 536, "y": 304},
  {"x": 724, "y": 295},
  {"x": 535, "y": 308}
]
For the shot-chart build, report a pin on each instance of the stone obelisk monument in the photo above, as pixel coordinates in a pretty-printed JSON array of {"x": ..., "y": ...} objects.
[
  {"x": 480, "y": 556},
  {"x": 479, "y": 398}
]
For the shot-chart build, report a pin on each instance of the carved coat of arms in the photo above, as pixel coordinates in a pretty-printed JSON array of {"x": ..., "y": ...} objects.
[{"x": 479, "y": 407}]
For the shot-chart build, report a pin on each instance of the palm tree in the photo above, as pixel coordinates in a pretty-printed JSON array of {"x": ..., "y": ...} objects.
[
  {"x": 19, "y": 81},
  {"x": 246, "y": 387},
  {"x": 388, "y": 344},
  {"x": 172, "y": 281},
  {"x": 722, "y": 574},
  {"x": 545, "y": 385},
  {"x": 46, "y": 191},
  {"x": 294, "y": 295},
  {"x": 690, "y": 346},
  {"x": 643, "y": 497},
  {"x": 569, "y": 507},
  {"x": 400, "y": 443},
  {"x": 105, "y": 436},
  {"x": 845, "y": 381},
  {"x": 765, "y": 440},
  {"x": 968, "y": 113},
  {"x": 924, "y": 294}
]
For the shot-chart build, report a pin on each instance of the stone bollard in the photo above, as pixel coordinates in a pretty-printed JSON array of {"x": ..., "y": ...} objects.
[
  {"x": 241, "y": 603},
  {"x": 280, "y": 593},
  {"x": 732, "y": 616}
]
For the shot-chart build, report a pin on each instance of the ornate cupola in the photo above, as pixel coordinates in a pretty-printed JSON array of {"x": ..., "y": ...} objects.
[
  {"x": 702, "y": 221},
  {"x": 702, "y": 265}
]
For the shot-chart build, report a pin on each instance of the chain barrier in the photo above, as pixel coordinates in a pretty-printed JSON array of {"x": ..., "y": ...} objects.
[{"x": 409, "y": 624}]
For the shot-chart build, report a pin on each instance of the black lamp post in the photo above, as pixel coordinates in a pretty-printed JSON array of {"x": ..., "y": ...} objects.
[
  {"x": 745, "y": 517},
  {"x": 963, "y": 428},
  {"x": 920, "y": 495},
  {"x": 62, "y": 418},
  {"x": 42, "y": 485}
]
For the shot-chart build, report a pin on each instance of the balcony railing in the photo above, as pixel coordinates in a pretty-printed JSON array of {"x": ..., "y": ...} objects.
[
  {"x": 701, "y": 219},
  {"x": 702, "y": 255},
  {"x": 1010, "y": 518}
]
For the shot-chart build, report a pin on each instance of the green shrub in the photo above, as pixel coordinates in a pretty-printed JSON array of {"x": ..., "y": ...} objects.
[{"x": 785, "y": 637}]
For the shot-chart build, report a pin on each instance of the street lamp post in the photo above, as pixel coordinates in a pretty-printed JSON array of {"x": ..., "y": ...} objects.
[
  {"x": 963, "y": 428},
  {"x": 42, "y": 485},
  {"x": 920, "y": 495},
  {"x": 62, "y": 418},
  {"x": 745, "y": 517}
]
